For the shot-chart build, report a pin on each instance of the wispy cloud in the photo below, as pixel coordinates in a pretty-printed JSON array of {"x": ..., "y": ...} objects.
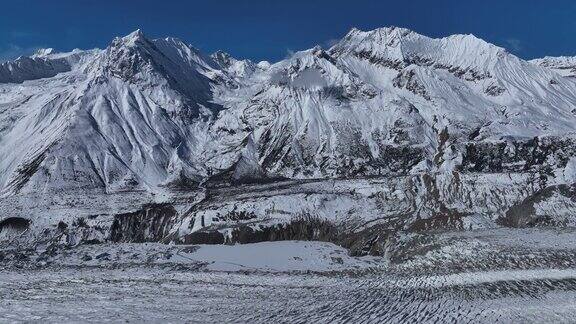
[
  {"x": 325, "y": 45},
  {"x": 331, "y": 42},
  {"x": 18, "y": 34},
  {"x": 17, "y": 43},
  {"x": 13, "y": 51},
  {"x": 289, "y": 53},
  {"x": 514, "y": 44}
]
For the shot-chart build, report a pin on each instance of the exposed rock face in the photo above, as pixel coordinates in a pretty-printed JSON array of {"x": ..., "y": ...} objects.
[
  {"x": 12, "y": 227},
  {"x": 150, "y": 224},
  {"x": 539, "y": 154},
  {"x": 303, "y": 228},
  {"x": 551, "y": 206}
]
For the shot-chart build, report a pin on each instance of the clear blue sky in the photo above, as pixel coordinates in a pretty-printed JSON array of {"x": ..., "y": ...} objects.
[{"x": 268, "y": 30}]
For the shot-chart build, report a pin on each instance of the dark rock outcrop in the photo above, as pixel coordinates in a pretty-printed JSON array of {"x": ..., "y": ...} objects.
[
  {"x": 524, "y": 214},
  {"x": 539, "y": 154},
  {"x": 14, "y": 225},
  {"x": 150, "y": 224}
]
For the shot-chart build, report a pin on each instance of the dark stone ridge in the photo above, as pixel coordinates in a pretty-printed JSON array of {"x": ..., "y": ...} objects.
[{"x": 150, "y": 224}]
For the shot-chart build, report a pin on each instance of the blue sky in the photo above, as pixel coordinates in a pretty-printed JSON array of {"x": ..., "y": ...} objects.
[{"x": 269, "y": 30}]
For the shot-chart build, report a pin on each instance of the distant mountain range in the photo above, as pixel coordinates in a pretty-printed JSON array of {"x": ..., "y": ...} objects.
[{"x": 482, "y": 129}]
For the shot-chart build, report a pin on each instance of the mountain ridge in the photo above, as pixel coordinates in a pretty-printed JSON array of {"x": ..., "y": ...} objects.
[{"x": 386, "y": 101}]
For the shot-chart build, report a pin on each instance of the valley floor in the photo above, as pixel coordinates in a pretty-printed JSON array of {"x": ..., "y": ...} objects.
[{"x": 486, "y": 276}]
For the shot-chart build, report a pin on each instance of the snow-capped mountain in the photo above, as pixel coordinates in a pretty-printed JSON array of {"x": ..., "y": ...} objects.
[
  {"x": 143, "y": 113},
  {"x": 393, "y": 101},
  {"x": 455, "y": 126},
  {"x": 127, "y": 117}
]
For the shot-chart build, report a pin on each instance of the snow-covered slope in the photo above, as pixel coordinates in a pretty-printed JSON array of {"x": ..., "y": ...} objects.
[
  {"x": 239, "y": 69},
  {"x": 43, "y": 64},
  {"x": 565, "y": 65}
]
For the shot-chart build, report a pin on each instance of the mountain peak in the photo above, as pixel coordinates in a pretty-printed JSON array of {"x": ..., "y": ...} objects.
[
  {"x": 138, "y": 33},
  {"x": 224, "y": 59},
  {"x": 386, "y": 36},
  {"x": 394, "y": 31},
  {"x": 132, "y": 38},
  {"x": 353, "y": 31},
  {"x": 42, "y": 52},
  {"x": 390, "y": 31},
  {"x": 393, "y": 36}
]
